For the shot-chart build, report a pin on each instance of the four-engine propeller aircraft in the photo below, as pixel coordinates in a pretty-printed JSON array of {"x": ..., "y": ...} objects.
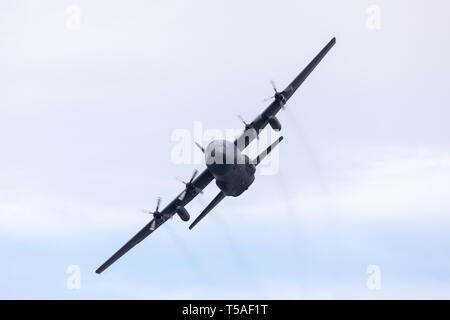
[{"x": 233, "y": 171}]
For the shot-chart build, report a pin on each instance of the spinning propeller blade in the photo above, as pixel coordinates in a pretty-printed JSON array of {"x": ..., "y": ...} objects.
[
  {"x": 189, "y": 187},
  {"x": 273, "y": 86},
  {"x": 193, "y": 175},
  {"x": 200, "y": 147},
  {"x": 277, "y": 94}
]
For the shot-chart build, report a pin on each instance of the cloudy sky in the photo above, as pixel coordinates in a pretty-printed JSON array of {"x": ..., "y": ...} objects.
[{"x": 93, "y": 91}]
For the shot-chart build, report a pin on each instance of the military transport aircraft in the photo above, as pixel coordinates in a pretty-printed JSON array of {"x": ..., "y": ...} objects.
[{"x": 233, "y": 171}]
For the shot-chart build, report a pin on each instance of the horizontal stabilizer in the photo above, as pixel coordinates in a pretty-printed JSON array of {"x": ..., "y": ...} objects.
[
  {"x": 267, "y": 151},
  {"x": 210, "y": 206}
]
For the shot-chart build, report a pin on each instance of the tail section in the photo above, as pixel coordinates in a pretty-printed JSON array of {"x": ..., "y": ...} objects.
[{"x": 267, "y": 151}]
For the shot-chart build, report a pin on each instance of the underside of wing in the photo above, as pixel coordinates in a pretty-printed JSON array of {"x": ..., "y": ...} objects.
[
  {"x": 197, "y": 184},
  {"x": 141, "y": 235},
  {"x": 296, "y": 83},
  {"x": 280, "y": 98}
]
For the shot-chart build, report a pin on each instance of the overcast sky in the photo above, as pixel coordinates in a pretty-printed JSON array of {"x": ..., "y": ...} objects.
[{"x": 88, "y": 107}]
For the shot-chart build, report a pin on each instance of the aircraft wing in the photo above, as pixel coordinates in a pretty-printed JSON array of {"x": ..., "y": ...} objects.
[
  {"x": 296, "y": 83},
  {"x": 141, "y": 235},
  {"x": 200, "y": 183},
  {"x": 262, "y": 120}
]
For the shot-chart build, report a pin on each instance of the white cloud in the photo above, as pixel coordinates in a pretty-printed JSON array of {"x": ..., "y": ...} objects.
[
  {"x": 390, "y": 185},
  {"x": 48, "y": 216},
  {"x": 384, "y": 184}
]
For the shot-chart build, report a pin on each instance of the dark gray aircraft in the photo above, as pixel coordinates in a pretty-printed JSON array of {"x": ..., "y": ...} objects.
[{"x": 233, "y": 171}]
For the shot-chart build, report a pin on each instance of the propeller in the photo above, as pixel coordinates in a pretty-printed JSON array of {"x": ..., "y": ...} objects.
[
  {"x": 189, "y": 187},
  {"x": 156, "y": 215},
  {"x": 200, "y": 147},
  {"x": 277, "y": 96},
  {"x": 247, "y": 125},
  {"x": 273, "y": 86}
]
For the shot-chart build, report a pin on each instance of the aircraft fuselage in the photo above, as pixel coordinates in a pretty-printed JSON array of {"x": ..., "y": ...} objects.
[{"x": 234, "y": 172}]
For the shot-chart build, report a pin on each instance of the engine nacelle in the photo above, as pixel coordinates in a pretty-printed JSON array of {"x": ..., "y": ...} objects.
[
  {"x": 274, "y": 123},
  {"x": 182, "y": 213}
]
